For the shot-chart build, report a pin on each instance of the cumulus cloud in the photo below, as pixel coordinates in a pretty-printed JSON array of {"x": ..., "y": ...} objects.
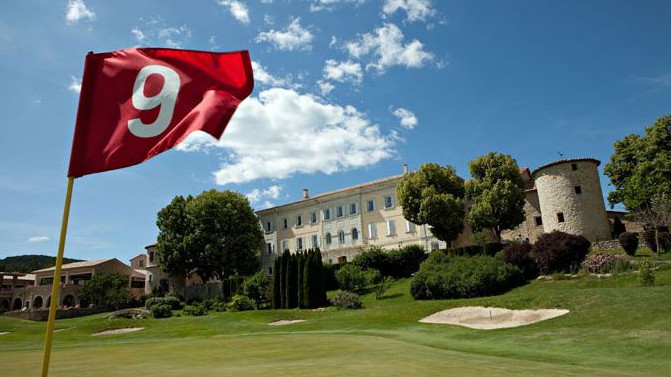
[
  {"x": 347, "y": 71},
  {"x": 294, "y": 37},
  {"x": 325, "y": 87},
  {"x": 75, "y": 85},
  {"x": 238, "y": 10},
  {"x": 262, "y": 76},
  {"x": 416, "y": 10},
  {"x": 78, "y": 11},
  {"x": 156, "y": 32},
  {"x": 283, "y": 132},
  {"x": 386, "y": 45},
  {"x": 38, "y": 239},
  {"x": 407, "y": 118},
  {"x": 319, "y": 5},
  {"x": 256, "y": 195}
]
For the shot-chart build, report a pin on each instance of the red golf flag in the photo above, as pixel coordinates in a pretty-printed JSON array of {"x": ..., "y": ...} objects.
[{"x": 139, "y": 102}]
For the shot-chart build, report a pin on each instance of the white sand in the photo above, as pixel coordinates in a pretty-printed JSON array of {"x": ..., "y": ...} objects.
[
  {"x": 3, "y": 333},
  {"x": 478, "y": 317},
  {"x": 285, "y": 322},
  {"x": 118, "y": 331}
]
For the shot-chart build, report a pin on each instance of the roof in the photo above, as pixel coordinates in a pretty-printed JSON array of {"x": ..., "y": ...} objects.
[
  {"x": 566, "y": 161},
  {"x": 90, "y": 263},
  {"x": 139, "y": 256},
  {"x": 21, "y": 276},
  {"x": 342, "y": 190},
  {"x": 139, "y": 273}
]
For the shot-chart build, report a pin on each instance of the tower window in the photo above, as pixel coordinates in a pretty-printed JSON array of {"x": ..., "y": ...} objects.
[
  {"x": 560, "y": 217},
  {"x": 578, "y": 189},
  {"x": 539, "y": 220}
]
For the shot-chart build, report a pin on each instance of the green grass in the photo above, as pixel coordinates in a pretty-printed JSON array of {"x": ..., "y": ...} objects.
[{"x": 615, "y": 328}]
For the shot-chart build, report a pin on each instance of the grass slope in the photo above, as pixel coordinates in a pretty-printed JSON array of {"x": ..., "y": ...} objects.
[{"x": 615, "y": 328}]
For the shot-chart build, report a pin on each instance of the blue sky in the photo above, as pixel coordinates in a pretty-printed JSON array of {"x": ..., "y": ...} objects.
[{"x": 346, "y": 91}]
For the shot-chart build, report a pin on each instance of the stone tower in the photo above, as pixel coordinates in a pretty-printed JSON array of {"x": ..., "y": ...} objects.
[{"x": 570, "y": 198}]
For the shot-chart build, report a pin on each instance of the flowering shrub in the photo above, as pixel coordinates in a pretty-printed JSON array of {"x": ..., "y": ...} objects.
[
  {"x": 347, "y": 300},
  {"x": 603, "y": 263}
]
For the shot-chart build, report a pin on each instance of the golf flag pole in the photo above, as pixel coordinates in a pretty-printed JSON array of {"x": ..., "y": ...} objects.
[{"x": 57, "y": 280}]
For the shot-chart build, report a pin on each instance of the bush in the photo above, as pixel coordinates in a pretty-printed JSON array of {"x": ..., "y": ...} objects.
[
  {"x": 240, "y": 303},
  {"x": 629, "y": 242},
  {"x": 464, "y": 277},
  {"x": 172, "y": 301},
  {"x": 330, "y": 281},
  {"x": 519, "y": 254},
  {"x": 219, "y": 306},
  {"x": 194, "y": 310},
  {"x": 664, "y": 240},
  {"x": 560, "y": 252},
  {"x": 257, "y": 287},
  {"x": 374, "y": 258},
  {"x": 603, "y": 263},
  {"x": 352, "y": 278},
  {"x": 347, "y": 300},
  {"x": 406, "y": 261},
  {"x": 382, "y": 286},
  {"x": 645, "y": 274},
  {"x": 161, "y": 310}
]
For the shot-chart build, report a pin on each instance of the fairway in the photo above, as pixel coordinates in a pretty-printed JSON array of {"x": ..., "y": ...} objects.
[{"x": 615, "y": 328}]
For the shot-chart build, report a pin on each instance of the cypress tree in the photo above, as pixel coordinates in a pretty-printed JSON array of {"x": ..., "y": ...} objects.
[
  {"x": 292, "y": 279},
  {"x": 284, "y": 263},
  {"x": 307, "y": 280},
  {"x": 320, "y": 280},
  {"x": 277, "y": 301},
  {"x": 301, "y": 266}
]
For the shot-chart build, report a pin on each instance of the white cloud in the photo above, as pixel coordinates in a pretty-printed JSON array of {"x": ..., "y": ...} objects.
[
  {"x": 407, "y": 118},
  {"x": 238, "y": 9},
  {"x": 325, "y": 87},
  {"x": 75, "y": 85},
  {"x": 319, "y": 5},
  {"x": 256, "y": 195},
  {"x": 347, "y": 71},
  {"x": 268, "y": 19},
  {"x": 294, "y": 37},
  {"x": 262, "y": 76},
  {"x": 387, "y": 46},
  {"x": 140, "y": 36},
  {"x": 266, "y": 1},
  {"x": 38, "y": 239},
  {"x": 174, "y": 36},
  {"x": 416, "y": 10},
  {"x": 158, "y": 33},
  {"x": 282, "y": 132},
  {"x": 78, "y": 11},
  {"x": 661, "y": 80}
]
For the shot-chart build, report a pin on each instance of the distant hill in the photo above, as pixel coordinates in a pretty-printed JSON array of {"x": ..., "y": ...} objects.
[{"x": 29, "y": 263}]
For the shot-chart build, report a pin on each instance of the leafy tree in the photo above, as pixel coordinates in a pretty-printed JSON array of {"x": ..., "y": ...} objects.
[
  {"x": 496, "y": 192},
  {"x": 257, "y": 287},
  {"x": 655, "y": 216},
  {"x": 215, "y": 234},
  {"x": 640, "y": 168},
  {"x": 30, "y": 263},
  {"x": 106, "y": 289},
  {"x": 434, "y": 195}
]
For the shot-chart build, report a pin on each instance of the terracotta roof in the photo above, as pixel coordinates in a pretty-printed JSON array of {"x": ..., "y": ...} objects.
[
  {"x": 90, "y": 263},
  {"x": 565, "y": 161}
]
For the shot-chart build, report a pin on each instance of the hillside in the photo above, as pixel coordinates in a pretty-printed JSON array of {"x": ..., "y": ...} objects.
[{"x": 29, "y": 263}]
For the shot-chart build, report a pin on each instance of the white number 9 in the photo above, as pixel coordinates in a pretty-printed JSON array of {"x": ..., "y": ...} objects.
[{"x": 166, "y": 98}]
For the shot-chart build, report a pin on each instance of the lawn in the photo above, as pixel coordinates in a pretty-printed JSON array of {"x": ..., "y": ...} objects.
[{"x": 615, "y": 328}]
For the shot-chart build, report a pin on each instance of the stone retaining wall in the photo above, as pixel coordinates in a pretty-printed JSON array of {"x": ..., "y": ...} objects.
[{"x": 43, "y": 315}]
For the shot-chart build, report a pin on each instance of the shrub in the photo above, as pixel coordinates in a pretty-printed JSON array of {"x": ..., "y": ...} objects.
[
  {"x": 519, "y": 254},
  {"x": 194, "y": 310},
  {"x": 664, "y": 240},
  {"x": 464, "y": 277},
  {"x": 560, "y": 252},
  {"x": 629, "y": 242},
  {"x": 172, "y": 301},
  {"x": 161, "y": 310},
  {"x": 240, "y": 303},
  {"x": 352, "y": 278},
  {"x": 374, "y": 258},
  {"x": 347, "y": 300},
  {"x": 330, "y": 281},
  {"x": 406, "y": 261},
  {"x": 219, "y": 306},
  {"x": 645, "y": 274},
  {"x": 257, "y": 287},
  {"x": 618, "y": 227},
  {"x": 604, "y": 263},
  {"x": 382, "y": 286}
]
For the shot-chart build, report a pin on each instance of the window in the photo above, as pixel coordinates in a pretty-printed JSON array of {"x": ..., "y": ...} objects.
[
  {"x": 388, "y": 202},
  {"x": 391, "y": 227},
  {"x": 285, "y": 223},
  {"x": 341, "y": 237},
  {"x": 299, "y": 243},
  {"x": 352, "y": 209},
  {"x": 409, "y": 227},
  {"x": 578, "y": 189},
  {"x": 370, "y": 205},
  {"x": 313, "y": 217},
  {"x": 270, "y": 270},
  {"x": 269, "y": 247},
  {"x": 285, "y": 245},
  {"x": 315, "y": 241},
  {"x": 574, "y": 166},
  {"x": 328, "y": 238},
  {"x": 268, "y": 227},
  {"x": 327, "y": 214},
  {"x": 141, "y": 263},
  {"x": 372, "y": 231},
  {"x": 151, "y": 256},
  {"x": 435, "y": 246},
  {"x": 560, "y": 217},
  {"x": 342, "y": 260},
  {"x": 340, "y": 211},
  {"x": 299, "y": 220},
  {"x": 355, "y": 234},
  {"x": 538, "y": 220}
]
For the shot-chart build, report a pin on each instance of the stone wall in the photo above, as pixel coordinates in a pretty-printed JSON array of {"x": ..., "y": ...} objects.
[
  {"x": 43, "y": 315},
  {"x": 200, "y": 292},
  {"x": 605, "y": 245}
]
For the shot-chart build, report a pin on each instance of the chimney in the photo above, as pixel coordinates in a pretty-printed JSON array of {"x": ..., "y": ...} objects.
[
  {"x": 405, "y": 168},
  {"x": 306, "y": 194}
]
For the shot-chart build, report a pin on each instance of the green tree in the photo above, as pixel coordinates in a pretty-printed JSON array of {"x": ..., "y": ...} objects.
[
  {"x": 277, "y": 297},
  {"x": 496, "y": 193},
  {"x": 434, "y": 195},
  {"x": 215, "y": 234},
  {"x": 640, "y": 168},
  {"x": 257, "y": 287},
  {"x": 106, "y": 289}
]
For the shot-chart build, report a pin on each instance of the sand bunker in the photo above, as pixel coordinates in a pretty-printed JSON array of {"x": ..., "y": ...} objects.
[
  {"x": 3, "y": 333},
  {"x": 118, "y": 331},
  {"x": 285, "y": 322},
  {"x": 478, "y": 317}
]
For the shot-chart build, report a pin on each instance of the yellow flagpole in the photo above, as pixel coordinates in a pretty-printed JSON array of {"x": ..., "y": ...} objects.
[{"x": 57, "y": 281}]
